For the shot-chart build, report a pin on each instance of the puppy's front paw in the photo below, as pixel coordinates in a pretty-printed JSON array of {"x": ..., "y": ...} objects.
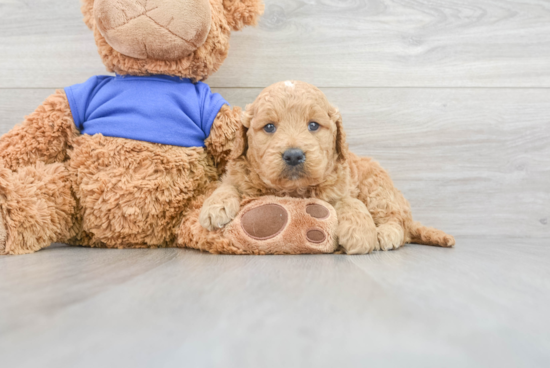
[
  {"x": 390, "y": 236},
  {"x": 218, "y": 212},
  {"x": 357, "y": 239}
]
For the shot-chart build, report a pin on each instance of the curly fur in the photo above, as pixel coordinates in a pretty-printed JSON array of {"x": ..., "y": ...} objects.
[
  {"x": 3, "y": 235},
  {"x": 134, "y": 193},
  {"x": 225, "y": 136},
  {"x": 240, "y": 13},
  {"x": 44, "y": 136},
  {"x": 192, "y": 235},
  {"x": 37, "y": 207},
  {"x": 372, "y": 213}
]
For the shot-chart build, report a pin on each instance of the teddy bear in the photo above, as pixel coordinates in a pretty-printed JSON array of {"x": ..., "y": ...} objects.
[{"x": 126, "y": 161}]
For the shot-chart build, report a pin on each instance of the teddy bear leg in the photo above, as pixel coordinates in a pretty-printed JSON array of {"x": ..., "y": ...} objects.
[
  {"x": 36, "y": 207},
  {"x": 267, "y": 225}
]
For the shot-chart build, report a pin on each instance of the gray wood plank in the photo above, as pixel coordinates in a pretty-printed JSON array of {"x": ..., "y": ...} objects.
[
  {"x": 470, "y": 161},
  {"x": 482, "y": 304},
  {"x": 329, "y": 43}
]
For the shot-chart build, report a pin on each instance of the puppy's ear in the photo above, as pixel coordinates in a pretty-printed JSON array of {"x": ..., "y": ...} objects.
[
  {"x": 240, "y": 13},
  {"x": 247, "y": 116},
  {"x": 241, "y": 139},
  {"x": 340, "y": 139}
]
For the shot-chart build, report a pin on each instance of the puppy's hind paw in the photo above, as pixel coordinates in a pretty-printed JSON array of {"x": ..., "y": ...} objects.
[{"x": 448, "y": 241}]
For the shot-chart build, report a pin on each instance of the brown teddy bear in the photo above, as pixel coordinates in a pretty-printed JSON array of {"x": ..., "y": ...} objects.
[{"x": 127, "y": 160}]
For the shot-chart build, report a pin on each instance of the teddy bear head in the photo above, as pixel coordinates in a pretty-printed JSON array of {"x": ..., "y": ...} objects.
[{"x": 184, "y": 38}]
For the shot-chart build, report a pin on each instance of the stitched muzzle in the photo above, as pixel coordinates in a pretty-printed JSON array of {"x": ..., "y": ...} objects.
[{"x": 153, "y": 29}]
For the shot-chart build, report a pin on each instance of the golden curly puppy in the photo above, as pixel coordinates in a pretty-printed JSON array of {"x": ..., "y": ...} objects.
[{"x": 294, "y": 145}]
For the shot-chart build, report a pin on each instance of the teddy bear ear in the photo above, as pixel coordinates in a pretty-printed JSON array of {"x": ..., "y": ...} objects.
[
  {"x": 240, "y": 13},
  {"x": 87, "y": 9}
]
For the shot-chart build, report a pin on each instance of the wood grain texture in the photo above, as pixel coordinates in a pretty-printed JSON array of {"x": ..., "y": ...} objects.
[
  {"x": 330, "y": 43},
  {"x": 470, "y": 161},
  {"x": 416, "y": 307}
]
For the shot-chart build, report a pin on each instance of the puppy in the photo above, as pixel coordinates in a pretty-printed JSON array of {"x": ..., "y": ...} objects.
[{"x": 294, "y": 145}]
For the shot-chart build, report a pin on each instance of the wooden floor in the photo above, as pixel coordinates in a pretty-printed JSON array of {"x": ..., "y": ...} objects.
[
  {"x": 482, "y": 304},
  {"x": 451, "y": 96}
]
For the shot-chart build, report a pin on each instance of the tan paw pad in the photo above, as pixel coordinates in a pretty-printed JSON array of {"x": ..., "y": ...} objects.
[
  {"x": 273, "y": 225},
  {"x": 318, "y": 211},
  {"x": 316, "y": 236},
  {"x": 264, "y": 222}
]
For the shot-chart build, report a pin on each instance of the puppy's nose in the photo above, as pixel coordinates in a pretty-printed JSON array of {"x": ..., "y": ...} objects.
[{"x": 294, "y": 156}]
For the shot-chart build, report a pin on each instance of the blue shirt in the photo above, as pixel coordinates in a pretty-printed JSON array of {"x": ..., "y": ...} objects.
[{"x": 157, "y": 109}]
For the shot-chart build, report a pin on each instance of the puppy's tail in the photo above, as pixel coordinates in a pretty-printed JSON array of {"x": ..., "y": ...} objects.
[{"x": 421, "y": 234}]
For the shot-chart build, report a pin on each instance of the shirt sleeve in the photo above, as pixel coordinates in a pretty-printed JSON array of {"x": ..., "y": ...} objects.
[
  {"x": 80, "y": 95},
  {"x": 211, "y": 103}
]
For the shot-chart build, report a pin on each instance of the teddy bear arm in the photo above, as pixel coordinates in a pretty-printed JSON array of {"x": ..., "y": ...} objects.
[
  {"x": 44, "y": 136},
  {"x": 225, "y": 136}
]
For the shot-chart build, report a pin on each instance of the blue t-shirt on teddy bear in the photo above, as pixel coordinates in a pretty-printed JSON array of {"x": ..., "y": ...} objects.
[{"x": 157, "y": 109}]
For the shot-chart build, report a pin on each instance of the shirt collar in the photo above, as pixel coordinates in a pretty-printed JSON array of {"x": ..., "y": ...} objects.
[{"x": 155, "y": 76}]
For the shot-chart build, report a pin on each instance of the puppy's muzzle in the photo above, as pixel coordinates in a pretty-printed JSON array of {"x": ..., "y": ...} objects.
[{"x": 294, "y": 157}]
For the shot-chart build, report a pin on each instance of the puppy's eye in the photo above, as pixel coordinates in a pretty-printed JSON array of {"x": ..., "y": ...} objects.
[
  {"x": 313, "y": 126},
  {"x": 270, "y": 128}
]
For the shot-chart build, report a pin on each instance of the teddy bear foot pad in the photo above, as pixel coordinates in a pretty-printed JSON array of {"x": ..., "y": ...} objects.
[{"x": 272, "y": 225}]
